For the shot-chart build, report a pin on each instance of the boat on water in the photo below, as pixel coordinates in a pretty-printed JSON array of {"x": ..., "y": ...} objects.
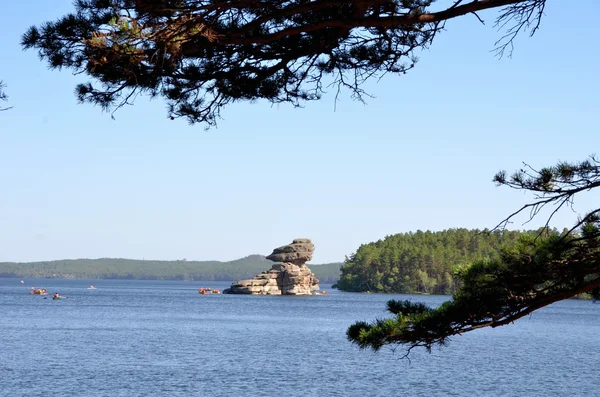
[
  {"x": 38, "y": 291},
  {"x": 208, "y": 291},
  {"x": 91, "y": 287}
]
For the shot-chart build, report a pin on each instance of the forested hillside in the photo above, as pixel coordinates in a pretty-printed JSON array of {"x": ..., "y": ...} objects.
[
  {"x": 420, "y": 262},
  {"x": 107, "y": 268}
]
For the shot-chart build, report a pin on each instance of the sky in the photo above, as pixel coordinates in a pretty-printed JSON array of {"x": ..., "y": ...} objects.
[{"x": 420, "y": 155}]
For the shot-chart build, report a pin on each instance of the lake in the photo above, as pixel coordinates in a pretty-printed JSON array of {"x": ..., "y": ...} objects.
[{"x": 160, "y": 338}]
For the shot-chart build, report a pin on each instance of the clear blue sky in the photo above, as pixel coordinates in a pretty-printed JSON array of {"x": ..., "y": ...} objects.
[{"x": 420, "y": 155}]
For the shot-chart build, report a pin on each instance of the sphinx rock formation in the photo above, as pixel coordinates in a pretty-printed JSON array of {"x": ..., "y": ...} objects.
[{"x": 289, "y": 277}]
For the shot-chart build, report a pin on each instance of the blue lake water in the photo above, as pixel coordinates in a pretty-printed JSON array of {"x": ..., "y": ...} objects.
[{"x": 160, "y": 338}]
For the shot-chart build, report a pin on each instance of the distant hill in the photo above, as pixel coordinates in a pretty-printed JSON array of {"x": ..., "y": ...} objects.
[{"x": 117, "y": 268}]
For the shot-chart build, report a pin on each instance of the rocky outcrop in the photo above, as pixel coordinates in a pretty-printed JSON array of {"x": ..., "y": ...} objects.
[
  {"x": 298, "y": 252},
  {"x": 290, "y": 277}
]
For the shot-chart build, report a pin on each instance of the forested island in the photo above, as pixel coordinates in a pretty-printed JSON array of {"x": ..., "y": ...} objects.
[
  {"x": 421, "y": 262},
  {"x": 108, "y": 268}
]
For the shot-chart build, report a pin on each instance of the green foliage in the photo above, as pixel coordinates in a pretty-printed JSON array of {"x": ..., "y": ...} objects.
[
  {"x": 107, "y": 268},
  {"x": 532, "y": 273},
  {"x": 420, "y": 262},
  {"x": 201, "y": 55},
  {"x": 536, "y": 270}
]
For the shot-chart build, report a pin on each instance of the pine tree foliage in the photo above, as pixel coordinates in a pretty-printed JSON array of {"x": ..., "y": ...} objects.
[
  {"x": 420, "y": 262},
  {"x": 201, "y": 55},
  {"x": 535, "y": 272},
  {"x": 3, "y": 96}
]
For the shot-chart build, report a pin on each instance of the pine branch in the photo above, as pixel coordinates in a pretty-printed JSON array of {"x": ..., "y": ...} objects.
[
  {"x": 203, "y": 55},
  {"x": 530, "y": 275}
]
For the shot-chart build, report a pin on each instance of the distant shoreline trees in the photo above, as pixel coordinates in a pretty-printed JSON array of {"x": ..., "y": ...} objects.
[{"x": 108, "y": 268}]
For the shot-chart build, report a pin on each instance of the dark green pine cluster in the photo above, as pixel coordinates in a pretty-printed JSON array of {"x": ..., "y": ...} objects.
[{"x": 421, "y": 262}]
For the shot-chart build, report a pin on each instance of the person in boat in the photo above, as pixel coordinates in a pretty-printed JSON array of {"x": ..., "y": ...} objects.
[{"x": 56, "y": 296}]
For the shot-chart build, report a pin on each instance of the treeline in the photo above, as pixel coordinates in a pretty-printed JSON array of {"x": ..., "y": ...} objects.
[
  {"x": 107, "y": 268},
  {"x": 420, "y": 262}
]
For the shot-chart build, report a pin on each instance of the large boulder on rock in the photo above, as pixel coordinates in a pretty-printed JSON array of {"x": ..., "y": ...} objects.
[
  {"x": 290, "y": 277},
  {"x": 298, "y": 252}
]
